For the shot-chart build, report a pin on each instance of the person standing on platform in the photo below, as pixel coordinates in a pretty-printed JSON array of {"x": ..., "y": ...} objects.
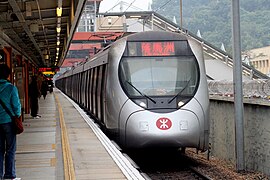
[
  {"x": 10, "y": 98},
  {"x": 44, "y": 88},
  {"x": 34, "y": 94}
]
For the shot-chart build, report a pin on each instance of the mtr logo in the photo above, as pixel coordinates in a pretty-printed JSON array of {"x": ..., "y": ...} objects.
[{"x": 164, "y": 123}]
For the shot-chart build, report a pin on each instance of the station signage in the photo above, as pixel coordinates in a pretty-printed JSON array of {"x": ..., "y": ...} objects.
[{"x": 48, "y": 69}]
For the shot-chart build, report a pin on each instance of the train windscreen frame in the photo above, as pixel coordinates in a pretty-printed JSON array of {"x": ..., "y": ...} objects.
[{"x": 149, "y": 76}]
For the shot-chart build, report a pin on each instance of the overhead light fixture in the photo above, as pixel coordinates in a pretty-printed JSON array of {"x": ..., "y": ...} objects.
[
  {"x": 57, "y": 49},
  {"x": 58, "y": 29},
  {"x": 59, "y": 11},
  {"x": 58, "y": 43}
]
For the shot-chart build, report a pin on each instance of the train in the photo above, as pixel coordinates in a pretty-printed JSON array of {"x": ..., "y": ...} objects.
[{"x": 147, "y": 90}]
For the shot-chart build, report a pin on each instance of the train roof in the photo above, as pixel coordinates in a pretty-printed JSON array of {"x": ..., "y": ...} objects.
[{"x": 157, "y": 35}]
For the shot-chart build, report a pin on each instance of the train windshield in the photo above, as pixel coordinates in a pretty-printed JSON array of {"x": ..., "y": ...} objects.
[{"x": 159, "y": 76}]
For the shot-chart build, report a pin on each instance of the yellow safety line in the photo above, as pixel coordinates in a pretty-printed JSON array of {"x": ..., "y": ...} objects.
[{"x": 67, "y": 157}]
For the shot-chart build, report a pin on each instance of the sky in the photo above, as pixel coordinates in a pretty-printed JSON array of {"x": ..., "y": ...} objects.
[{"x": 105, "y": 5}]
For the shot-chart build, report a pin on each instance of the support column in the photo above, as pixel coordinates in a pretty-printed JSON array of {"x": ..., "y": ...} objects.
[
  {"x": 18, "y": 78},
  {"x": 8, "y": 51},
  {"x": 26, "y": 83}
]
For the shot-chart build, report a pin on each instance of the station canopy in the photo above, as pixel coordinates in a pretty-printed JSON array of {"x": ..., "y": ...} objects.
[{"x": 40, "y": 30}]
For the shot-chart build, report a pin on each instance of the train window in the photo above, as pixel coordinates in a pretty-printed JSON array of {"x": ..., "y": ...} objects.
[{"x": 159, "y": 76}]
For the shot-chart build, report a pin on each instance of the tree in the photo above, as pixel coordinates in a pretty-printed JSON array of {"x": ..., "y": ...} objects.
[{"x": 213, "y": 18}]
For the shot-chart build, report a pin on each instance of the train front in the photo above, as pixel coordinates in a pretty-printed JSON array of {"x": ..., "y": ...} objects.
[{"x": 168, "y": 102}]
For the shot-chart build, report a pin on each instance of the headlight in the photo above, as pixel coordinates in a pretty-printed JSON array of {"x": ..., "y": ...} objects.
[
  {"x": 180, "y": 103},
  {"x": 141, "y": 102}
]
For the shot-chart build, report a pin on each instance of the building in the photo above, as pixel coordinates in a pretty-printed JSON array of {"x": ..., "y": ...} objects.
[{"x": 259, "y": 58}]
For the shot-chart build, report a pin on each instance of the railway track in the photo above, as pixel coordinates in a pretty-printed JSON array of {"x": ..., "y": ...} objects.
[{"x": 167, "y": 165}]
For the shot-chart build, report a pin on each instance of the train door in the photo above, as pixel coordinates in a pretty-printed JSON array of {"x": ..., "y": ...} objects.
[
  {"x": 92, "y": 90},
  {"x": 99, "y": 83},
  {"x": 95, "y": 91},
  {"x": 87, "y": 90},
  {"x": 83, "y": 89},
  {"x": 75, "y": 87},
  {"x": 80, "y": 85},
  {"x": 103, "y": 97}
]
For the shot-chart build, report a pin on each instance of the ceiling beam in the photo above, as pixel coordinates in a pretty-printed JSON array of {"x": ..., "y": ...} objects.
[
  {"x": 15, "y": 46},
  {"x": 79, "y": 10},
  {"x": 19, "y": 14}
]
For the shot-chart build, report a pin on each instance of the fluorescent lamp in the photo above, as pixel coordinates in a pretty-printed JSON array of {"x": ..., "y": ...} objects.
[
  {"x": 58, "y": 29},
  {"x": 59, "y": 11},
  {"x": 58, "y": 43}
]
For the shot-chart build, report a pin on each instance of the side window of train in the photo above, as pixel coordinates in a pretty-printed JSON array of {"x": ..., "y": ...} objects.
[
  {"x": 93, "y": 91},
  {"x": 99, "y": 83},
  {"x": 102, "y": 98},
  {"x": 96, "y": 90},
  {"x": 83, "y": 88},
  {"x": 87, "y": 90}
]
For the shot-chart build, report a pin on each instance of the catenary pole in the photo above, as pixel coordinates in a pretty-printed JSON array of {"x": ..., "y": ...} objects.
[
  {"x": 238, "y": 92},
  {"x": 181, "y": 14}
]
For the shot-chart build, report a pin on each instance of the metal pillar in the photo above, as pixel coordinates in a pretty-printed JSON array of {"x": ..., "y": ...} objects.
[
  {"x": 181, "y": 14},
  {"x": 238, "y": 92}
]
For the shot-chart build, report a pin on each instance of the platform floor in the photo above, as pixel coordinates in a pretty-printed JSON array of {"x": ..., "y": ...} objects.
[{"x": 60, "y": 145}]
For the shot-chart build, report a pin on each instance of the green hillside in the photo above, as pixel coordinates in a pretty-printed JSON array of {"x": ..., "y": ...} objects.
[{"x": 213, "y": 19}]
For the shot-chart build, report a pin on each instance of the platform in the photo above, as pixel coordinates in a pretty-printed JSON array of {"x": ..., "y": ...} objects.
[{"x": 66, "y": 144}]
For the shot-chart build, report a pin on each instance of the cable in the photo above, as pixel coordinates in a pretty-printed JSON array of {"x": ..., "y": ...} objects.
[
  {"x": 162, "y": 6},
  {"x": 119, "y": 17}
]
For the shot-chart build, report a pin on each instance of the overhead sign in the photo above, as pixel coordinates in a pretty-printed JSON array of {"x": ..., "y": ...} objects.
[
  {"x": 45, "y": 69},
  {"x": 48, "y": 72},
  {"x": 157, "y": 48}
]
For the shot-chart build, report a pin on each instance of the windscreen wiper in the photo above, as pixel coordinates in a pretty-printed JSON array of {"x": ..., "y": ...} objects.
[
  {"x": 186, "y": 85},
  {"x": 144, "y": 95}
]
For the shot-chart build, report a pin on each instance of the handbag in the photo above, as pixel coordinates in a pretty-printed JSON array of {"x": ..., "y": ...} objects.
[{"x": 17, "y": 121}]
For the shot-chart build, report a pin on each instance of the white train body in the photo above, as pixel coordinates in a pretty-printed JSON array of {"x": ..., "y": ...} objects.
[{"x": 149, "y": 89}]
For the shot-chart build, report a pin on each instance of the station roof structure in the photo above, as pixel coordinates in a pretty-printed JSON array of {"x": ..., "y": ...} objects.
[
  {"x": 85, "y": 44},
  {"x": 40, "y": 30}
]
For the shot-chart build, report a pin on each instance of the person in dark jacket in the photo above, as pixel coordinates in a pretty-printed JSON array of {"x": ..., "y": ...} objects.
[
  {"x": 34, "y": 94},
  {"x": 44, "y": 88},
  {"x": 10, "y": 97}
]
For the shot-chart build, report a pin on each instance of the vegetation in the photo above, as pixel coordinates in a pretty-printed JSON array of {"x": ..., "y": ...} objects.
[{"x": 213, "y": 19}]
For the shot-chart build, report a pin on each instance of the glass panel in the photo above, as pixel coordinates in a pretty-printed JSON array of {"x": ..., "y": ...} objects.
[{"x": 159, "y": 76}]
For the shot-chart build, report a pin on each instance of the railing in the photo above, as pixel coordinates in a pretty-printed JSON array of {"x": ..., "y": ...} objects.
[
  {"x": 251, "y": 88},
  {"x": 153, "y": 19},
  {"x": 209, "y": 49}
]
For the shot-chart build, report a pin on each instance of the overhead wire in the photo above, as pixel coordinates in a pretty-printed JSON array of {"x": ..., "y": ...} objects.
[
  {"x": 119, "y": 17},
  {"x": 159, "y": 8},
  {"x": 162, "y": 6},
  {"x": 108, "y": 11},
  {"x": 127, "y": 9}
]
